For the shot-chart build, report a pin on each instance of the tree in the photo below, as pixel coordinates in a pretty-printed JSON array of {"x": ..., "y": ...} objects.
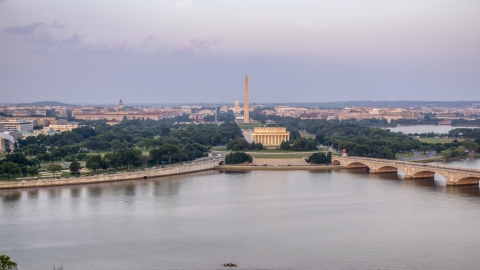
[
  {"x": 169, "y": 150},
  {"x": 447, "y": 154},
  {"x": 96, "y": 162},
  {"x": 10, "y": 168},
  {"x": 424, "y": 149},
  {"x": 32, "y": 171},
  {"x": 75, "y": 167},
  {"x": 131, "y": 156},
  {"x": 113, "y": 159},
  {"x": 319, "y": 158},
  {"x": 470, "y": 145},
  {"x": 237, "y": 157},
  {"x": 285, "y": 146},
  {"x": 156, "y": 155},
  {"x": 145, "y": 160},
  {"x": 54, "y": 168},
  {"x": 6, "y": 263},
  {"x": 116, "y": 144},
  {"x": 239, "y": 144}
]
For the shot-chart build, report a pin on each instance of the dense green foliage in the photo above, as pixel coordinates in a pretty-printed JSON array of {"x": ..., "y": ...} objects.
[
  {"x": 75, "y": 167},
  {"x": 238, "y": 157},
  {"x": 302, "y": 144},
  {"x": 144, "y": 134},
  {"x": 6, "y": 263},
  {"x": 54, "y": 168},
  {"x": 10, "y": 168},
  {"x": 362, "y": 141},
  {"x": 168, "y": 141},
  {"x": 240, "y": 144},
  {"x": 17, "y": 164},
  {"x": 463, "y": 122},
  {"x": 320, "y": 158}
]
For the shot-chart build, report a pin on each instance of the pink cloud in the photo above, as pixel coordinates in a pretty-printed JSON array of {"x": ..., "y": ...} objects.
[
  {"x": 147, "y": 37},
  {"x": 195, "y": 45},
  {"x": 119, "y": 45}
]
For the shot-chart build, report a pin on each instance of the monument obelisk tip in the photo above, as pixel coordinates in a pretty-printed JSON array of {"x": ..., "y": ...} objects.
[{"x": 246, "y": 112}]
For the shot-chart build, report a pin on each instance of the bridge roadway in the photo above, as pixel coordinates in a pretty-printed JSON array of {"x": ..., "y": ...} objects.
[{"x": 454, "y": 175}]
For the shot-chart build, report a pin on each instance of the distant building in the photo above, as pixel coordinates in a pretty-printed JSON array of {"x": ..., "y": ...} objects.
[
  {"x": 236, "y": 108},
  {"x": 16, "y": 125},
  {"x": 198, "y": 118},
  {"x": 21, "y": 113},
  {"x": 112, "y": 122},
  {"x": 64, "y": 113},
  {"x": 8, "y": 139},
  {"x": 62, "y": 127}
]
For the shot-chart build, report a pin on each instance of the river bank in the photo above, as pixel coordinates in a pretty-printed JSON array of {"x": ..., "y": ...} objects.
[
  {"x": 158, "y": 172},
  {"x": 277, "y": 168}
]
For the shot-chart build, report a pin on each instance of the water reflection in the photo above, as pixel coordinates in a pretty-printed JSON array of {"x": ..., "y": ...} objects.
[
  {"x": 425, "y": 182},
  {"x": 465, "y": 191},
  {"x": 235, "y": 172},
  {"x": 75, "y": 192},
  {"x": 32, "y": 194},
  {"x": 166, "y": 188},
  {"x": 54, "y": 192},
  {"x": 129, "y": 189},
  {"x": 11, "y": 196},
  {"x": 94, "y": 191}
]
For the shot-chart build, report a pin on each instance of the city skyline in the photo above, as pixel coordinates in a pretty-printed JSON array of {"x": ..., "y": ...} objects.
[{"x": 320, "y": 51}]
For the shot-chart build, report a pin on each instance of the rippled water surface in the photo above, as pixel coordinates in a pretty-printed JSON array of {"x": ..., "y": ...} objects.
[{"x": 258, "y": 220}]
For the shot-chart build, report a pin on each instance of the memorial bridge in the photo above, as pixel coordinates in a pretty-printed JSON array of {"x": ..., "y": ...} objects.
[{"x": 453, "y": 175}]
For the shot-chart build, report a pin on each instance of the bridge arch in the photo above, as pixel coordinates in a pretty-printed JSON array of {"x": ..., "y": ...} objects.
[
  {"x": 335, "y": 162},
  {"x": 424, "y": 174},
  {"x": 387, "y": 169},
  {"x": 468, "y": 181},
  {"x": 356, "y": 164}
]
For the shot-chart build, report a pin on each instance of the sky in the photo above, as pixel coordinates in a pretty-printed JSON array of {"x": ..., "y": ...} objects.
[{"x": 151, "y": 51}]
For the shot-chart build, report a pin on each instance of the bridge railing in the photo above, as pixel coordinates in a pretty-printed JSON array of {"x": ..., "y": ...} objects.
[{"x": 463, "y": 169}]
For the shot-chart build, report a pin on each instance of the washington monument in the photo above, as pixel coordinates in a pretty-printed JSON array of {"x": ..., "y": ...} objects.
[{"x": 246, "y": 116}]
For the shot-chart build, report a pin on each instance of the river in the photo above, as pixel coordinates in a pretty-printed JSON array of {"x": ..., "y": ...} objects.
[
  {"x": 425, "y": 129},
  {"x": 259, "y": 220}
]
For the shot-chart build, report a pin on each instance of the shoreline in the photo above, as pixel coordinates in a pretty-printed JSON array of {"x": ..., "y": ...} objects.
[
  {"x": 144, "y": 174},
  {"x": 277, "y": 168}
]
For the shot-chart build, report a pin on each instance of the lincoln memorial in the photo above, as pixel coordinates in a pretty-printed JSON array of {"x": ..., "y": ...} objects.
[{"x": 270, "y": 137}]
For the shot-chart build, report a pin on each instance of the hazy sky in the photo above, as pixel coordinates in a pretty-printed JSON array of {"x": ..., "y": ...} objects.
[{"x": 199, "y": 51}]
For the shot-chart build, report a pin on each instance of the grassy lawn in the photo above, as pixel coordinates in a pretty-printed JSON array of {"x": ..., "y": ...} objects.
[
  {"x": 404, "y": 155},
  {"x": 307, "y": 135},
  {"x": 281, "y": 151},
  {"x": 248, "y": 125},
  {"x": 273, "y": 151},
  {"x": 438, "y": 140},
  {"x": 96, "y": 153},
  {"x": 280, "y": 156}
]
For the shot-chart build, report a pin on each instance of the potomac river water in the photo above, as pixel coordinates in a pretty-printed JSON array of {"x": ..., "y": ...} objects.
[
  {"x": 424, "y": 128},
  {"x": 345, "y": 219}
]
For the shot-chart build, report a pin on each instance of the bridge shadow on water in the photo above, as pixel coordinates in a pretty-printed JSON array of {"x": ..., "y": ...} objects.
[
  {"x": 436, "y": 183},
  {"x": 464, "y": 191}
]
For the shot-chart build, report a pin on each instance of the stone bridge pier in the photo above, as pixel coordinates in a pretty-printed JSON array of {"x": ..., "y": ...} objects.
[{"x": 453, "y": 175}]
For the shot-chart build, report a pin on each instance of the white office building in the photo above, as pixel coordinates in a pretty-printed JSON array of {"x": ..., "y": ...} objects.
[{"x": 16, "y": 125}]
